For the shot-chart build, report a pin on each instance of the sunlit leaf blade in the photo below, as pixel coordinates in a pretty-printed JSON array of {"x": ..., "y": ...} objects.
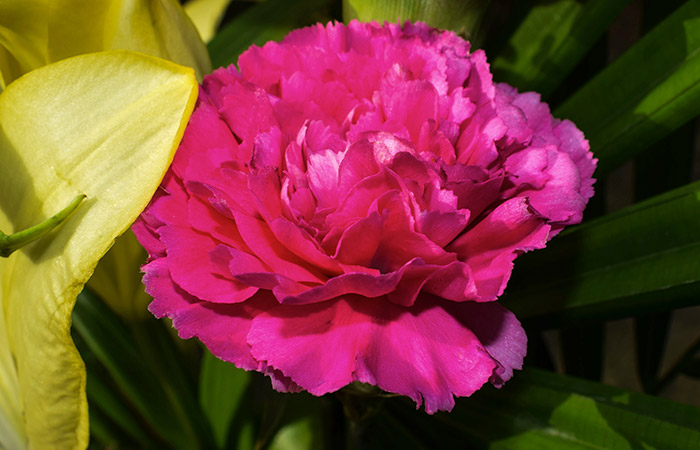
[
  {"x": 265, "y": 21},
  {"x": 649, "y": 91},
  {"x": 460, "y": 16},
  {"x": 105, "y": 125},
  {"x": 34, "y": 33},
  {"x": 642, "y": 258},
  {"x": 221, "y": 389},
  {"x": 542, "y": 410},
  {"x": 551, "y": 40},
  {"x": 301, "y": 425},
  {"x": 113, "y": 345}
]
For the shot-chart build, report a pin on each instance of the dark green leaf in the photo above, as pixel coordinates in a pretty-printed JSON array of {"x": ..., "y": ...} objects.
[
  {"x": 640, "y": 259},
  {"x": 541, "y": 410},
  {"x": 105, "y": 399},
  {"x": 649, "y": 91},
  {"x": 538, "y": 409},
  {"x": 221, "y": 388},
  {"x": 111, "y": 342},
  {"x": 105, "y": 432},
  {"x": 301, "y": 426},
  {"x": 165, "y": 362},
  {"x": 551, "y": 40},
  {"x": 265, "y": 21}
]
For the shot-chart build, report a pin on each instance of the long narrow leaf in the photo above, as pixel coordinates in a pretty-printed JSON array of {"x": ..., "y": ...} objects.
[
  {"x": 110, "y": 341},
  {"x": 551, "y": 40},
  {"x": 642, "y": 258},
  {"x": 461, "y": 16},
  {"x": 649, "y": 91},
  {"x": 221, "y": 388}
]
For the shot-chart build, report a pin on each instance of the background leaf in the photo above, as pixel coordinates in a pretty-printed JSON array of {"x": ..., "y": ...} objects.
[
  {"x": 221, "y": 389},
  {"x": 642, "y": 258},
  {"x": 155, "y": 396},
  {"x": 461, "y": 16},
  {"x": 550, "y": 41},
  {"x": 539, "y": 409},
  {"x": 649, "y": 91}
]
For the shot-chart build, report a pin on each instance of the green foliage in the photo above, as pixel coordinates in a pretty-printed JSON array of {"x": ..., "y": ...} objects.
[
  {"x": 646, "y": 93},
  {"x": 641, "y": 258},
  {"x": 550, "y": 40}
]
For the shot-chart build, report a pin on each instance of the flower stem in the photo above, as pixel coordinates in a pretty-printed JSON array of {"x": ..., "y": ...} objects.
[{"x": 15, "y": 241}]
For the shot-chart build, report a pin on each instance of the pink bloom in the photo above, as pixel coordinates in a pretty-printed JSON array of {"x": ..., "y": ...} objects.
[{"x": 348, "y": 205}]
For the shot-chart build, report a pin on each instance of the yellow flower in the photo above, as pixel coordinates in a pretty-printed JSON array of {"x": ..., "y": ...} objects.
[{"x": 104, "y": 125}]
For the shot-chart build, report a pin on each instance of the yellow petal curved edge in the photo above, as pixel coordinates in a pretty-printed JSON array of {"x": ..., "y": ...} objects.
[
  {"x": 39, "y": 32},
  {"x": 105, "y": 125}
]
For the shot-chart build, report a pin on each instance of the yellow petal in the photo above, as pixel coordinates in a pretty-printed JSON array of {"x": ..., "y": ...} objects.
[
  {"x": 38, "y": 32},
  {"x": 159, "y": 28},
  {"x": 11, "y": 429},
  {"x": 105, "y": 125},
  {"x": 206, "y": 15}
]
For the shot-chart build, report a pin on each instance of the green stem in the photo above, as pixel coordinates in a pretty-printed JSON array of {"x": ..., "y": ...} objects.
[{"x": 12, "y": 242}]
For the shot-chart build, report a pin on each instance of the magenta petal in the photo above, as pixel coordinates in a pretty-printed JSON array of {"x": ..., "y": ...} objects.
[
  {"x": 454, "y": 281},
  {"x": 358, "y": 164},
  {"x": 359, "y": 242},
  {"x": 198, "y": 268},
  {"x": 500, "y": 333},
  {"x": 222, "y": 328},
  {"x": 263, "y": 243},
  {"x": 442, "y": 228},
  {"x": 299, "y": 243},
  {"x": 422, "y": 352},
  {"x": 491, "y": 246},
  {"x": 411, "y": 103},
  {"x": 206, "y": 129}
]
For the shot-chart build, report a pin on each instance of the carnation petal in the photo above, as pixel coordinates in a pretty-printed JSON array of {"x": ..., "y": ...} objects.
[
  {"x": 199, "y": 269},
  {"x": 221, "y": 327},
  {"x": 500, "y": 333},
  {"x": 491, "y": 246},
  {"x": 422, "y": 352}
]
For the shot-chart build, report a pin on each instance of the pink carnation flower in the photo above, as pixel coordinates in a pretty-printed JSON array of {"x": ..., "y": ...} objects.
[{"x": 348, "y": 205}]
